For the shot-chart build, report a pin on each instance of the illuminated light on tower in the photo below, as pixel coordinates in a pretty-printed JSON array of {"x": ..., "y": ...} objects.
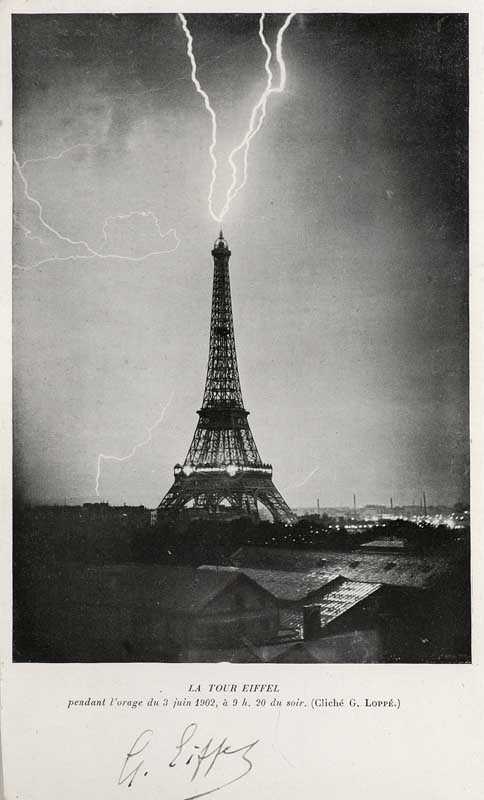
[{"x": 223, "y": 473}]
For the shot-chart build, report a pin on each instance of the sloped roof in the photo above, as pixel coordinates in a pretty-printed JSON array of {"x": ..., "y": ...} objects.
[
  {"x": 284, "y": 585},
  {"x": 177, "y": 589},
  {"x": 394, "y": 569},
  {"x": 334, "y": 604},
  {"x": 343, "y": 598}
]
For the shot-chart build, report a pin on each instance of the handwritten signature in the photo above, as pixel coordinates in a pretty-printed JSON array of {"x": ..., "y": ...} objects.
[{"x": 199, "y": 757}]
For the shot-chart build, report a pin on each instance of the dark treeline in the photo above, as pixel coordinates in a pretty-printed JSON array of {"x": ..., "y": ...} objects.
[{"x": 64, "y": 537}]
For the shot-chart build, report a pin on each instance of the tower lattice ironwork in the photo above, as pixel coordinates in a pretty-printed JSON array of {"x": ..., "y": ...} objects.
[{"x": 223, "y": 472}]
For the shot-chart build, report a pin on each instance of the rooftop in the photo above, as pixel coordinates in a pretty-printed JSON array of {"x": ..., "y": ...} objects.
[
  {"x": 343, "y": 598},
  {"x": 285, "y": 585},
  {"x": 394, "y": 569},
  {"x": 334, "y": 604}
]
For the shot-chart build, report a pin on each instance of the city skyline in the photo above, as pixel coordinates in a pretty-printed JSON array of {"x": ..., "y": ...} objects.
[{"x": 349, "y": 241}]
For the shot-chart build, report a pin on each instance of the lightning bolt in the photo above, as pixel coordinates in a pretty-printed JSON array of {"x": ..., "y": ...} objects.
[
  {"x": 304, "y": 481},
  {"x": 90, "y": 251},
  {"x": 257, "y": 116},
  {"x": 103, "y": 457},
  {"x": 213, "y": 118}
]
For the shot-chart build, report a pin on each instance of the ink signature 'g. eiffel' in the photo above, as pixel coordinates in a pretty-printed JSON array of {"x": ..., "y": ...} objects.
[{"x": 200, "y": 757}]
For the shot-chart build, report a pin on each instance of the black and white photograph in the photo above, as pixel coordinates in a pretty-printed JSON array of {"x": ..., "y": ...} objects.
[{"x": 241, "y": 338}]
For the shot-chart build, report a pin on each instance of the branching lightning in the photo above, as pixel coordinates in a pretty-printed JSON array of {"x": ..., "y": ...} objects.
[
  {"x": 241, "y": 151},
  {"x": 90, "y": 252},
  {"x": 146, "y": 214},
  {"x": 259, "y": 111},
  {"x": 256, "y": 118},
  {"x": 103, "y": 457},
  {"x": 71, "y": 148},
  {"x": 58, "y": 156}
]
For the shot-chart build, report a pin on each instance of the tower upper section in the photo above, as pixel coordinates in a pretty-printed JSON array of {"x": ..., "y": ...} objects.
[{"x": 222, "y": 387}]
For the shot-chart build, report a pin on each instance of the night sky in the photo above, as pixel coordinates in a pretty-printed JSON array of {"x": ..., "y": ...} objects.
[{"x": 349, "y": 251}]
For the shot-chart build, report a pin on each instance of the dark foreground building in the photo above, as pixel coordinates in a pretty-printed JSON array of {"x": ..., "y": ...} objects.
[{"x": 135, "y": 612}]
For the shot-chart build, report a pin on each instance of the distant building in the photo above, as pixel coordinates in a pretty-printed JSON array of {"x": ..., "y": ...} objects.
[
  {"x": 96, "y": 513},
  {"x": 386, "y": 543},
  {"x": 372, "y": 512}
]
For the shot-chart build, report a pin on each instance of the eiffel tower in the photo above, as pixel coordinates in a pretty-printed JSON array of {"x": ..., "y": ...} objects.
[{"x": 223, "y": 474}]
